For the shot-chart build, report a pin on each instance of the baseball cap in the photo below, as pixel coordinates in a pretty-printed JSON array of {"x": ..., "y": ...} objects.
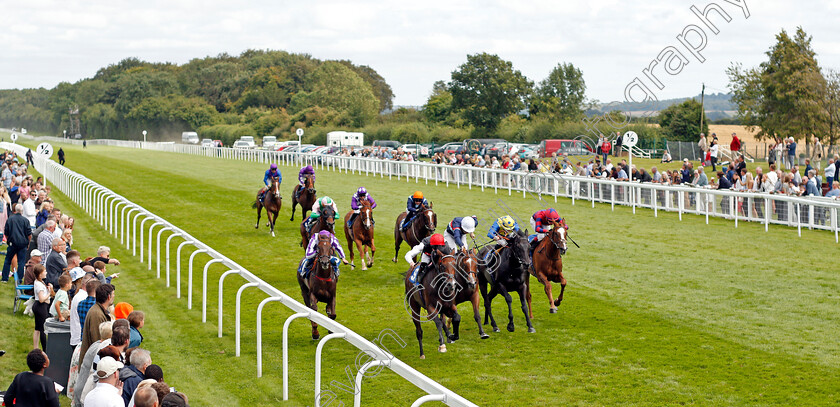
[
  {"x": 35, "y": 252},
  {"x": 121, "y": 310},
  {"x": 107, "y": 366},
  {"x": 76, "y": 273}
]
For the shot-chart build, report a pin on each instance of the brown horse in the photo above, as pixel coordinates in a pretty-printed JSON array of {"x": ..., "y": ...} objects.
[
  {"x": 422, "y": 225},
  {"x": 505, "y": 269},
  {"x": 272, "y": 203},
  {"x": 325, "y": 222},
  {"x": 307, "y": 196},
  {"x": 435, "y": 295},
  {"x": 467, "y": 284},
  {"x": 321, "y": 284},
  {"x": 547, "y": 264},
  {"x": 361, "y": 233}
]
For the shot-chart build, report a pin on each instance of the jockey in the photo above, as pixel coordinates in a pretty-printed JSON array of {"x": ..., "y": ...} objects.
[
  {"x": 501, "y": 228},
  {"x": 456, "y": 229},
  {"x": 355, "y": 202},
  {"x": 270, "y": 173},
  {"x": 312, "y": 251},
  {"x": 308, "y": 170},
  {"x": 542, "y": 222},
  {"x": 412, "y": 207},
  {"x": 425, "y": 249},
  {"x": 317, "y": 208}
]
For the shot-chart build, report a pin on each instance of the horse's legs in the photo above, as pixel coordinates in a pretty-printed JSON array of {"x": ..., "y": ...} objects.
[
  {"x": 294, "y": 206},
  {"x": 482, "y": 286},
  {"x": 523, "y": 297},
  {"x": 488, "y": 307},
  {"x": 528, "y": 291},
  {"x": 418, "y": 328},
  {"x": 456, "y": 324},
  {"x": 313, "y": 303},
  {"x": 440, "y": 327},
  {"x": 350, "y": 244},
  {"x": 259, "y": 212},
  {"x": 330, "y": 310},
  {"x": 562, "y": 288},
  {"x": 270, "y": 224},
  {"x": 477, "y": 316},
  {"x": 547, "y": 286},
  {"x": 372, "y": 249},
  {"x": 397, "y": 242},
  {"x": 509, "y": 301}
]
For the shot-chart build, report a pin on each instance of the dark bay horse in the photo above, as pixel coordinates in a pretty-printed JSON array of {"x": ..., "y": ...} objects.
[
  {"x": 547, "y": 265},
  {"x": 422, "y": 225},
  {"x": 307, "y": 196},
  {"x": 325, "y": 222},
  {"x": 360, "y": 233},
  {"x": 467, "y": 284},
  {"x": 435, "y": 294},
  {"x": 321, "y": 284},
  {"x": 509, "y": 268},
  {"x": 272, "y": 204}
]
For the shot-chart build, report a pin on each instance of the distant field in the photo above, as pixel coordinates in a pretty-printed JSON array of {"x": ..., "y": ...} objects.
[{"x": 657, "y": 312}]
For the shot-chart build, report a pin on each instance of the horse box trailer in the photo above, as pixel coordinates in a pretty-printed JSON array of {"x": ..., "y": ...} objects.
[{"x": 345, "y": 139}]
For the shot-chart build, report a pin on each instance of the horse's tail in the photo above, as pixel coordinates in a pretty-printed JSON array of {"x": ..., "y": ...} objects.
[{"x": 255, "y": 203}]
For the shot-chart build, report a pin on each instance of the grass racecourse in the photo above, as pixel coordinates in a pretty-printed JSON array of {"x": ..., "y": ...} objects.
[{"x": 657, "y": 311}]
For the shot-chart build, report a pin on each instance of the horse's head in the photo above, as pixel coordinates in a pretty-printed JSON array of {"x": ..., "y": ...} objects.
[
  {"x": 557, "y": 235},
  {"x": 429, "y": 219},
  {"x": 468, "y": 267},
  {"x": 366, "y": 214},
  {"x": 275, "y": 187},
  {"x": 329, "y": 217},
  {"x": 309, "y": 183},
  {"x": 324, "y": 250},
  {"x": 446, "y": 268},
  {"x": 518, "y": 242}
]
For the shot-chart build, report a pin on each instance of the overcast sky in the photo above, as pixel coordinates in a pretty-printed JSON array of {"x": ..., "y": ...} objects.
[{"x": 411, "y": 44}]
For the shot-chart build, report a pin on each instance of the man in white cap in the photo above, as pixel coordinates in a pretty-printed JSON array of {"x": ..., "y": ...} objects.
[
  {"x": 35, "y": 258},
  {"x": 108, "y": 390}
]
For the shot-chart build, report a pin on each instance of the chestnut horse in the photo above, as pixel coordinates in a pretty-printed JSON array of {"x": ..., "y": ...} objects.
[
  {"x": 325, "y": 222},
  {"x": 272, "y": 204},
  {"x": 509, "y": 268},
  {"x": 435, "y": 295},
  {"x": 361, "y": 233},
  {"x": 321, "y": 283},
  {"x": 547, "y": 264},
  {"x": 307, "y": 196},
  {"x": 422, "y": 225},
  {"x": 467, "y": 281}
]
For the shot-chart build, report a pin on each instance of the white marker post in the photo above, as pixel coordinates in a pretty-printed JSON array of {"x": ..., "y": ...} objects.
[
  {"x": 629, "y": 140},
  {"x": 299, "y": 133},
  {"x": 144, "y": 138},
  {"x": 46, "y": 150},
  {"x": 14, "y": 138}
]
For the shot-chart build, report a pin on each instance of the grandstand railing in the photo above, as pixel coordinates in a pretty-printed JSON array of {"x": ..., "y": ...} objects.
[
  {"x": 816, "y": 213},
  {"x": 119, "y": 216}
]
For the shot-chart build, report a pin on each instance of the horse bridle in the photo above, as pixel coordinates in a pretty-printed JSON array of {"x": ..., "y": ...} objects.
[
  {"x": 369, "y": 215},
  {"x": 430, "y": 226},
  {"x": 557, "y": 245},
  {"x": 324, "y": 259},
  {"x": 311, "y": 187}
]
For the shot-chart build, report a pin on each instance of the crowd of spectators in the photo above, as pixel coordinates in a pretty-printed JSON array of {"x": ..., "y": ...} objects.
[{"x": 108, "y": 367}]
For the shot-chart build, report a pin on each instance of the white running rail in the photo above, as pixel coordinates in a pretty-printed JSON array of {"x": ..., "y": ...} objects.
[{"x": 119, "y": 216}]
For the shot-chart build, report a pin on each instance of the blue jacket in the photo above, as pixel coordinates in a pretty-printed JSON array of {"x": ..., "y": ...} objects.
[
  {"x": 130, "y": 377},
  {"x": 410, "y": 207},
  {"x": 494, "y": 229},
  {"x": 269, "y": 175},
  {"x": 454, "y": 229},
  {"x": 135, "y": 337}
]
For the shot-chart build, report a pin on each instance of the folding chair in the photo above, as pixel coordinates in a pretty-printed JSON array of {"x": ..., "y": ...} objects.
[{"x": 20, "y": 296}]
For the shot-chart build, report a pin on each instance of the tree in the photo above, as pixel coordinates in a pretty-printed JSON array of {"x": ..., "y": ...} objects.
[
  {"x": 335, "y": 87},
  {"x": 681, "y": 122},
  {"x": 487, "y": 88},
  {"x": 831, "y": 104},
  {"x": 439, "y": 106},
  {"x": 562, "y": 95},
  {"x": 784, "y": 95},
  {"x": 381, "y": 89}
]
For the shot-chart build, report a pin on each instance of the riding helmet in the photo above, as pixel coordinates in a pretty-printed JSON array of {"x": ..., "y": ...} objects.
[
  {"x": 507, "y": 223},
  {"x": 437, "y": 240},
  {"x": 273, "y": 166},
  {"x": 326, "y": 201},
  {"x": 468, "y": 223},
  {"x": 361, "y": 191},
  {"x": 551, "y": 214},
  {"x": 417, "y": 195}
]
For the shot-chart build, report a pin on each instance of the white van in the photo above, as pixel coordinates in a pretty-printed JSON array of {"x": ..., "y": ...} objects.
[
  {"x": 207, "y": 143},
  {"x": 269, "y": 141},
  {"x": 189, "y": 137},
  {"x": 249, "y": 140}
]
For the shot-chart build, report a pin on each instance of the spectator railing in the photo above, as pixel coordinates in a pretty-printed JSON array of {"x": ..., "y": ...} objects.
[
  {"x": 119, "y": 216},
  {"x": 794, "y": 211}
]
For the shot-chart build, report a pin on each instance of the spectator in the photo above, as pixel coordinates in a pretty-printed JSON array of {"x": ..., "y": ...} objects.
[
  {"x": 794, "y": 173},
  {"x": 32, "y": 388},
  {"x": 96, "y": 315},
  {"x": 114, "y": 347},
  {"x": 56, "y": 261},
  {"x": 41, "y": 307},
  {"x": 830, "y": 172},
  {"x": 145, "y": 397},
  {"x": 702, "y": 180},
  {"x": 45, "y": 239},
  {"x": 104, "y": 255},
  {"x": 808, "y": 165},
  {"x": 99, "y": 270},
  {"x": 67, "y": 237},
  {"x": 703, "y": 143},
  {"x": 713, "y": 154},
  {"x": 162, "y": 389},
  {"x": 122, "y": 309},
  {"x": 134, "y": 373},
  {"x": 76, "y": 385},
  {"x": 811, "y": 187},
  {"x": 816, "y": 152},
  {"x": 5, "y": 205},
  {"x": 61, "y": 304},
  {"x": 43, "y": 212},
  {"x": 137, "y": 319},
  {"x": 835, "y": 191},
  {"x": 107, "y": 391},
  {"x": 735, "y": 145},
  {"x": 773, "y": 176},
  {"x": 154, "y": 372},
  {"x": 17, "y": 232},
  {"x": 175, "y": 399},
  {"x": 75, "y": 319},
  {"x": 791, "y": 152},
  {"x": 29, "y": 209},
  {"x": 29, "y": 269},
  {"x": 666, "y": 157}
]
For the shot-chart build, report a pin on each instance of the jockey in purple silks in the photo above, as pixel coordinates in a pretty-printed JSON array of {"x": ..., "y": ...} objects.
[
  {"x": 355, "y": 204},
  {"x": 308, "y": 170},
  {"x": 312, "y": 251},
  {"x": 270, "y": 173}
]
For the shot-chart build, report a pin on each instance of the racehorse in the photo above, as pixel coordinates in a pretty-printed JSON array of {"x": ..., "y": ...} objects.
[
  {"x": 361, "y": 233},
  {"x": 422, "y": 225},
  {"x": 325, "y": 222},
  {"x": 307, "y": 196},
  {"x": 547, "y": 264},
  {"x": 272, "y": 203},
  {"x": 509, "y": 266},
  {"x": 321, "y": 283},
  {"x": 467, "y": 281},
  {"x": 435, "y": 294}
]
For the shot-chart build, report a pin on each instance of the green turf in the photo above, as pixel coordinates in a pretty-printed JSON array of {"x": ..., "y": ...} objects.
[{"x": 657, "y": 311}]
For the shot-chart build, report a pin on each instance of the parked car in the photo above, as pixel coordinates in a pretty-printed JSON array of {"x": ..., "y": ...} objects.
[
  {"x": 207, "y": 142},
  {"x": 564, "y": 147},
  {"x": 241, "y": 144},
  {"x": 189, "y": 137},
  {"x": 416, "y": 150},
  {"x": 218, "y": 143},
  {"x": 269, "y": 141},
  {"x": 387, "y": 143}
]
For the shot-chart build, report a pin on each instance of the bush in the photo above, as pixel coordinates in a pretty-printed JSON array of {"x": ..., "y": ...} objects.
[{"x": 411, "y": 133}]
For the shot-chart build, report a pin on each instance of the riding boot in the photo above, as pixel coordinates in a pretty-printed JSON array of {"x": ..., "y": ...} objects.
[
  {"x": 352, "y": 219},
  {"x": 534, "y": 244},
  {"x": 417, "y": 274},
  {"x": 335, "y": 263}
]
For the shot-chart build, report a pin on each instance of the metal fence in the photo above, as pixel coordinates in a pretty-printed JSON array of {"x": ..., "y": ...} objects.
[
  {"x": 800, "y": 212},
  {"x": 120, "y": 217}
]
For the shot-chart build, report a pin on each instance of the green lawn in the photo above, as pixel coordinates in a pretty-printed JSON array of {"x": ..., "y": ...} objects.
[{"x": 657, "y": 310}]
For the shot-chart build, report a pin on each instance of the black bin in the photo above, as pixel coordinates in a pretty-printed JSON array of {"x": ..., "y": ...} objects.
[{"x": 59, "y": 351}]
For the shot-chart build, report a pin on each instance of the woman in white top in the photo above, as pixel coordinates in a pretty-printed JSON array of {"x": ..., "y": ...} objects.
[
  {"x": 41, "y": 307},
  {"x": 713, "y": 153}
]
